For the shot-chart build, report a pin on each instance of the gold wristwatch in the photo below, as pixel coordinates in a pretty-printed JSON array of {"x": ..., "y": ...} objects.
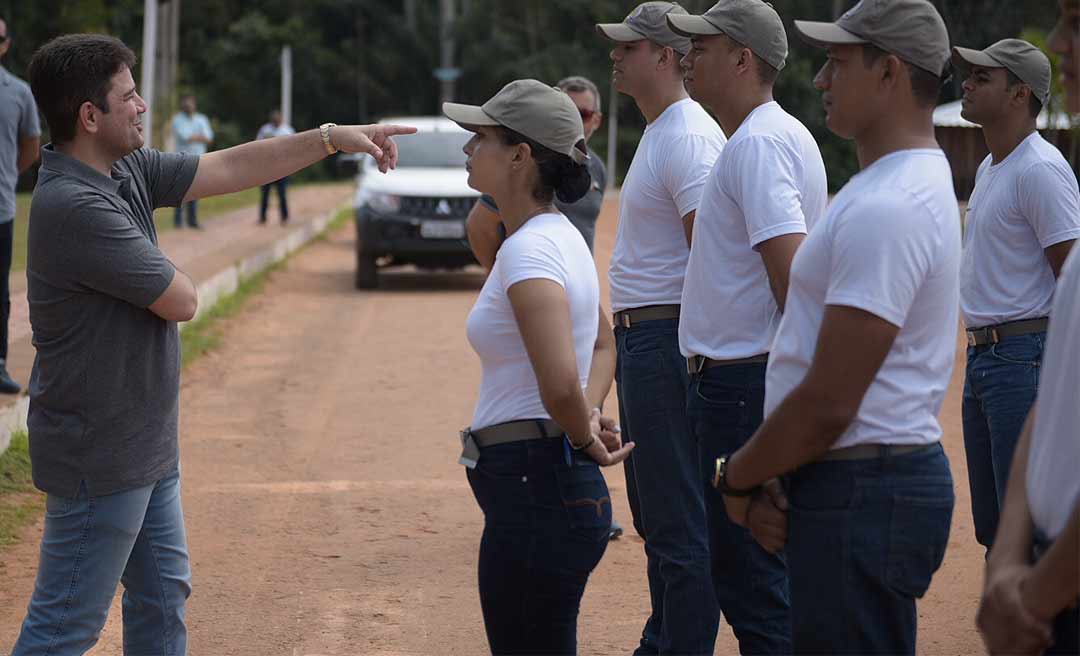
[{"x": 324, "y": 132}]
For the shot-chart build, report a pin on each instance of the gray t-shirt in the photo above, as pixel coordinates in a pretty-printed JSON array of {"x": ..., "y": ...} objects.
[
  {"x": 18, "y": 120},
  {"x": 104, "y": 389},
  {"x": 583, "y": 212}
]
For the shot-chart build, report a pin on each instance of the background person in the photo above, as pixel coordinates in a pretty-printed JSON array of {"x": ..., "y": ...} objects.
[
  {"x": 535, "y": 444},
  {"x": 20, "y": 140},
  {"x": 275, "y": 127},
  {"x": 104, "y": 302},
  {"x": 767, "y": 189},
  {"x": 193, "y": 135},
  {"x": 1021, "y": 221},
  {"x": 1065, "y": 41}
]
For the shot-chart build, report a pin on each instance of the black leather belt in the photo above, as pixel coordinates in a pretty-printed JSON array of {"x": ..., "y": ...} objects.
[
  {"x": 868, "y": 451},
  {"x": 994, "y": 334},
  {"x": 696, "y": 364},
  {"x": 627, "y": 318},
  {"x": 516, "y": 431}
]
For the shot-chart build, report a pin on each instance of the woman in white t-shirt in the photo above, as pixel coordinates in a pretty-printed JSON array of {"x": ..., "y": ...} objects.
[{"x": 548, "y": 360}]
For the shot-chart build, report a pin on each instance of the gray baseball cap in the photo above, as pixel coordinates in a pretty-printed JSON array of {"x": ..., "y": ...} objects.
[
  {"x": 910, "y": 29},
  {"x": 753, "y": 23},
  {"x": 1019, "y": 57},
  {"x": 648, "y": 21},
  {"x": 531, "y": 108}
]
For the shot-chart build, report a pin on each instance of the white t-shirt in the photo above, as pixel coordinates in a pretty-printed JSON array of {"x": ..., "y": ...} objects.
[
  {"x": 547, "y": 247},
  {"x": 769, "y": 181},
  {"x": 1053, "y": 485},
  {"x": 889, "y": 244},
  {"x": 1020, "y": 206},
  {"x": 663, "y": 185}
]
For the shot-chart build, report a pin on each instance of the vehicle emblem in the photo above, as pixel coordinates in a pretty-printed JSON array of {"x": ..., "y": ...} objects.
[{"x": 443, "y": 207}]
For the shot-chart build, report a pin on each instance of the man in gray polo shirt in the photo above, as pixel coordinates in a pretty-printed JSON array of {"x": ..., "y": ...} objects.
[
  {"x": 104, "y": 302},
  {"x": 19, "y": 141}
]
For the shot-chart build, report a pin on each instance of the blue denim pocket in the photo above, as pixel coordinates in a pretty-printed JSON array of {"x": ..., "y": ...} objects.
[
  {"x": 638, "y": 341},
  {"x": 918, "y": 535},
  {"x": 584, "y": 495},
  {"x": 1021, "y": 349}
]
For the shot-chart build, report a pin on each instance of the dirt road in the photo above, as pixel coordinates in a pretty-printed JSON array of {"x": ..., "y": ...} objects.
[{"x": 326, "y": 513}]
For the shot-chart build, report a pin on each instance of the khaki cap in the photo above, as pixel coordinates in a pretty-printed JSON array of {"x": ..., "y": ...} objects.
[
  {"x": 910, "y": 29},
  {"x": 753, "y": 23},
  {"x": 648, "y": 21},
  {"x": 1020, "y": 58},
  {"x": 533, "y": 109}
]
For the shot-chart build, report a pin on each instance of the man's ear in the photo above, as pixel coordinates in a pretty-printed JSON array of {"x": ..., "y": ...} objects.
[{"x": 88, "y": 117}]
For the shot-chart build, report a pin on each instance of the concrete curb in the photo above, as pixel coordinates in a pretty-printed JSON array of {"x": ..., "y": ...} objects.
[{"x": 211, "y": 290}]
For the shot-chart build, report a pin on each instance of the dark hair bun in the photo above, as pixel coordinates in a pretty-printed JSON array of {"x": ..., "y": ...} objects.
[{"x": 569, "y": 179}]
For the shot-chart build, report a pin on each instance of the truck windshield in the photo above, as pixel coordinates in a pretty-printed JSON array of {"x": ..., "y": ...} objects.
[{"x": 430, "y": 150}]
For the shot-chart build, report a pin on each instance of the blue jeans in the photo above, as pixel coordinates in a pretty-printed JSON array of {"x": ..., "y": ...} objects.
[
  {"x": 92, "y": 543},
  {"x": 725, "y": 406},
  {"x": 999, "y": 390},
  {"x": 864, "y": 539},
  {"x": 192, "y": 214},
  {"x": 547, "y": 514},
  {"x": 663, "y": 485},
  {"x": 264, "y": 199}
]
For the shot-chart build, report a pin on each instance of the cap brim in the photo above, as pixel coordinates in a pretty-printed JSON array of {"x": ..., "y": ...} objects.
[
  {"x": 619, "y": 32},
  {"x": 823, "y": 35},
  {"x": 467, "y": 116},
  {"x": 687, "y": 25},
  {"x": 965, "y": 58}
]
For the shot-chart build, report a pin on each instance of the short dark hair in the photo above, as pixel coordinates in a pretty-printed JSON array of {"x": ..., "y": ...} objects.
[
  {"x": 1034, "y": 104},
  {"x": 766, "y": 72},
  {"x": 560, "y": 176},
  {"x": 925, "y": 86},
  {"x": 71, "y": 70}
]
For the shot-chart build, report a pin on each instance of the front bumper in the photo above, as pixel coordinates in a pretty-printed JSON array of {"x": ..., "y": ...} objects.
[{"x": 402, "y": 238}]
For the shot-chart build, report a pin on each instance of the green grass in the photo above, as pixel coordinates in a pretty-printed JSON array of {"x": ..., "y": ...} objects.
[{"x": 19, "y": 501}]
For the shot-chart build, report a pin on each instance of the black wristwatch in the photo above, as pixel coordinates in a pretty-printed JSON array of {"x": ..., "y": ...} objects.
[{"x": 720, "y": 480}]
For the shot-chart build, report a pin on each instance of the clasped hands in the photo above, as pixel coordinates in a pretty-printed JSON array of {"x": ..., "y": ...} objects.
[{"x": 764, "y": 513}]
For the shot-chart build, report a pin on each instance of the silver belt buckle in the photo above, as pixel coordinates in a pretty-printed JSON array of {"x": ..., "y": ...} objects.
[
  {"x": 971, "y": 339},
  {"x": 470, "y": 453}
]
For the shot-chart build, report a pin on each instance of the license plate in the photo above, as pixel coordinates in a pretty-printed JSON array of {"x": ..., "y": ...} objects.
[{"x": 442, "y": 229}]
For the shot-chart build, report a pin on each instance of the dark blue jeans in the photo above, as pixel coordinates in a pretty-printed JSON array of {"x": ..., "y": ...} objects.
[
  {"x": 192, "y": 214},
  {"x": 264, "y": 199},
  {"x": 725, "y": 406},
  {"x": 663, "y": 486},
  {"x": 864, "y": 539},
  {"x": 999, "y": 390},
  {"x": 547, "y": 513}
]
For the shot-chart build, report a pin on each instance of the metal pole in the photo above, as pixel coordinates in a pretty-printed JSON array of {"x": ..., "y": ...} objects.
[
  {"x": 286, "y": 85},
  {"x": 149, "y": 62},
  {"x": 446, "y": 49},
  {"x": 612, "y": 134}
]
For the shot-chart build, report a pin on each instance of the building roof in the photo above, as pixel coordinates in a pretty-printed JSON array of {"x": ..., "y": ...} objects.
[{"x": 948, "y": 116}]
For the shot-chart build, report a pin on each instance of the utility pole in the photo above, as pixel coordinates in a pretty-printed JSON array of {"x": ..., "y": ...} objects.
[
  {"x": 149, "y": 61},
  {"x": 447, "y": 73},
  {"x": 286, "y": 84},
  {"x": 410, "y": 15}
]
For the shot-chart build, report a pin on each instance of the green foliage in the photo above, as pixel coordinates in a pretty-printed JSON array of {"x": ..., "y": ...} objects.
[
  {"x": 19, "y": 502},
  {"x": 358, "y": 60}
]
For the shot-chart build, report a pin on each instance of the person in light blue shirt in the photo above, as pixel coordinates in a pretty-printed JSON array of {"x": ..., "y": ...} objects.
[{"x": 193, "y": 135}]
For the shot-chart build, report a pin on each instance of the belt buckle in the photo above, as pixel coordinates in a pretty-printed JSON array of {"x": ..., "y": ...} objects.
[
  {"x": 695, "y": 364},
  {"x": 470, "y": 452},
  {"x": 994, "y": 338},
  {"x": 624, "y": 319},
  {"x": 971, "y": 338}
]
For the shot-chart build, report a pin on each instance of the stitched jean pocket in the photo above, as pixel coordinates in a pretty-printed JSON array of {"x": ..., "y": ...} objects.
[
  {"x": 918, "y": 535},
  {"x": 584, "y": 495}
]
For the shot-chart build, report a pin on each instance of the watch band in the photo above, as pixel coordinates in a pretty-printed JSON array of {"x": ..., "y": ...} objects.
[
  {"x": 720, "y": 480},
  {"x": 324, "y": 132}
]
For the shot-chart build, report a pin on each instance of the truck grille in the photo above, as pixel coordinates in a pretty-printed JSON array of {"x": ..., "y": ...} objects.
[{"x": 436, "y": 207}]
